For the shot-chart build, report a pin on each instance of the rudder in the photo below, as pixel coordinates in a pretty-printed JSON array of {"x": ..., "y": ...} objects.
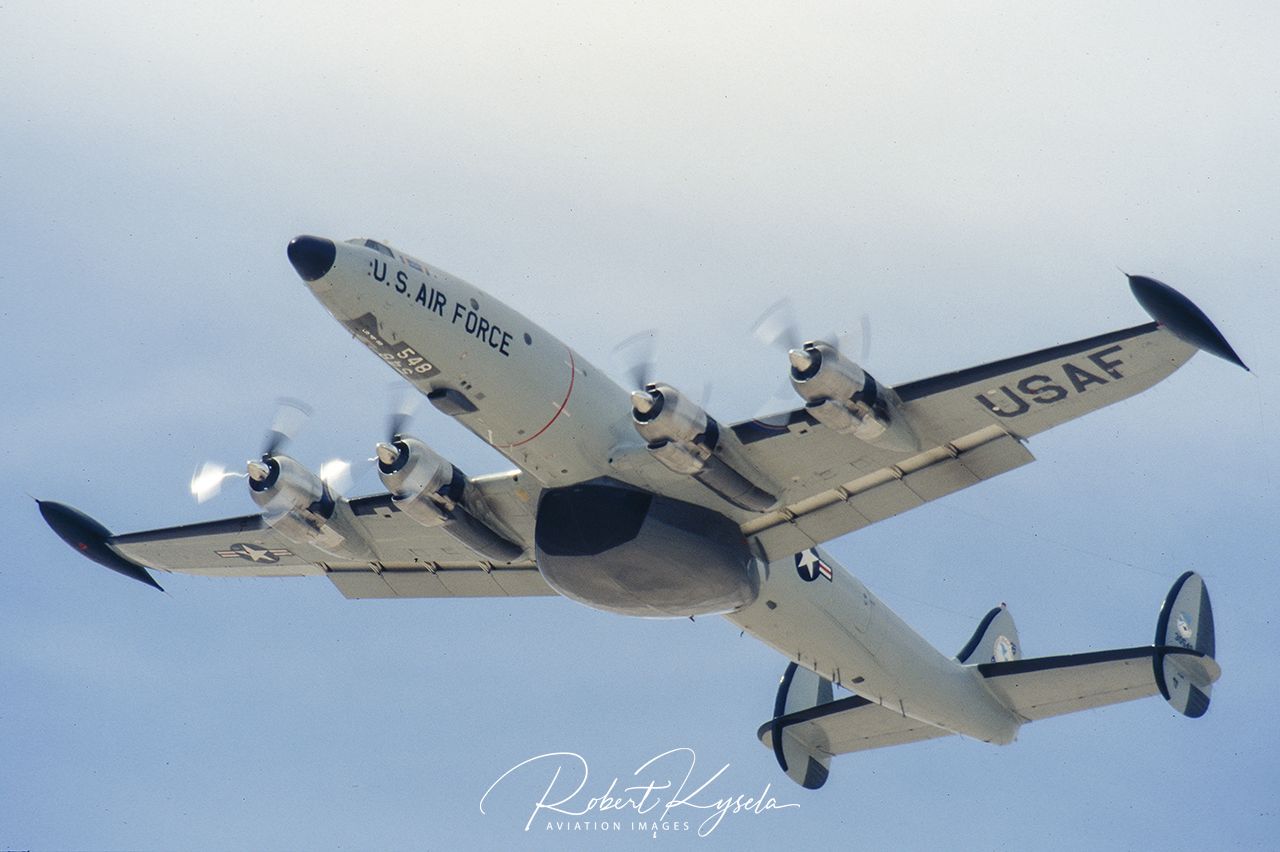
[{"x": 1186, "y": 621}]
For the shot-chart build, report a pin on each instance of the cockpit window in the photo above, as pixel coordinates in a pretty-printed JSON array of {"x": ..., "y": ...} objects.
[{"x": 373, "y": 244}]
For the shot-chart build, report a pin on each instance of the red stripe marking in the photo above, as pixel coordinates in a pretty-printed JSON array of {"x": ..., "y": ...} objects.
[{"x": 572, "y": 375}]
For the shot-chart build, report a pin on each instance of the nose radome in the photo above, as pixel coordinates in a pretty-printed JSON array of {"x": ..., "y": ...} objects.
[{"x": 312, "y": 257}]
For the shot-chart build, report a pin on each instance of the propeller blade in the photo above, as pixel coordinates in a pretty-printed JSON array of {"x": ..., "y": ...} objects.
[
  {"x": 704, "y": 399},
  {"x": 635, "y": 354},
  {"x": 290, "y": 415},
  {"x": 844, "y": 342},
  {"x": 777, "y": 326},
  {"x": 206, "y": 482},
  {"x": 404, "y": 404},
  {"x": 336, "y": 473},
  {"x": 776, "y": 410}
]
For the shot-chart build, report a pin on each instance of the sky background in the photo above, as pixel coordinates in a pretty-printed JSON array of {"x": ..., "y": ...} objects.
[{"x": 969, "y": 177}]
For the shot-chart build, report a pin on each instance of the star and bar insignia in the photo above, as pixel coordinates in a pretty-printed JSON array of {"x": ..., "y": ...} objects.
[
  {"x": 254, "y": 553},
  {"x": 810, "y": 566}
]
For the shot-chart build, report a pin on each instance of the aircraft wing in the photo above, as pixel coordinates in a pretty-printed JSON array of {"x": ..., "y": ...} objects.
[
  {"x": 971, "y": 425},
  {"x": 412, "y": 560},
  {"x": 847, "y": 725}
]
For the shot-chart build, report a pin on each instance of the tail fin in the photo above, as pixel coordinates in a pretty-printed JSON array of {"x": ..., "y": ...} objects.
[
  {"x": 800, "y": 689},
  {"x": 1186, "y": 621},
  {"x": 995, "y": 640}
]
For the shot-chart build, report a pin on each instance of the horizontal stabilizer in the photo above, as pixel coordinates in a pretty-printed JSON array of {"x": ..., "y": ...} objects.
[
  {"x": 1051, "y": 686},
  {"x": 805, "y": 738},
  {"x": 1180, "y": 666}
]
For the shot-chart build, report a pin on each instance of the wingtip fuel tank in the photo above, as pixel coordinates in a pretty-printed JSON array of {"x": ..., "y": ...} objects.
[
  {"x": 1181, "y": 316},
  {"x": 91, "y": 539}
]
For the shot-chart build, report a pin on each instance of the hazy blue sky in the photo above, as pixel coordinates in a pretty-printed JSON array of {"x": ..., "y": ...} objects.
[{"x": 970, "y": 177}]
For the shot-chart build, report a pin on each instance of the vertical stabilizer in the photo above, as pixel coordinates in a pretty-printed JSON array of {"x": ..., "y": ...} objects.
[
  {"x": 799, "y": 690},
  {"x": 1186, "y": 621},
  {"x": 995, "y": 640}
]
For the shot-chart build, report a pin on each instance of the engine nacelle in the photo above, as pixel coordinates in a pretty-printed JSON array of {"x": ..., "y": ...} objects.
[
  {"x": 661, "y": 413},
  {"x": 847, "y": 399},
  {"x": 281, "y": 486},
  {"x": 434, "y": 493},
  {"x": 685, "y": 438},
  {"x": 298, "y": 505},
  {"x": 420, "y": 481}
]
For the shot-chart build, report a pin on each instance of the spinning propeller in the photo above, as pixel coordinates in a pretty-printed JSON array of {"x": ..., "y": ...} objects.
[
  {"x": 388, "y": 453},
  {"x": 778, "y": 327},
  {"x": 289, "y": 418},
  {"x": 635, "y": 354}
]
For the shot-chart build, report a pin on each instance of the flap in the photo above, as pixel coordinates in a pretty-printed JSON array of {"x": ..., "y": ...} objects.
[{"x": 910, "y": 482}]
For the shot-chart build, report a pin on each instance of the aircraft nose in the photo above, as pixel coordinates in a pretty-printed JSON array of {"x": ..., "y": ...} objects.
[{"x": 312, "y": 257}]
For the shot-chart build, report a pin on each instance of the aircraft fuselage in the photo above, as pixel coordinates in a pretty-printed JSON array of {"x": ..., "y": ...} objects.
[{"x": 563, "y": 421}]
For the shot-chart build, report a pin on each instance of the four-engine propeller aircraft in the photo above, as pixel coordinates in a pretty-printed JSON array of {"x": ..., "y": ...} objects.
[{"x": 641, "y": 503}]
